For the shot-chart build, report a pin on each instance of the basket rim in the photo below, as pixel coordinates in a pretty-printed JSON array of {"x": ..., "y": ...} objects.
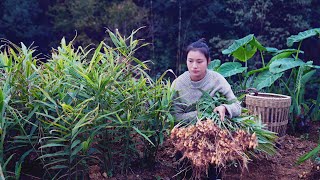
[{"x": 273, "y": 96}]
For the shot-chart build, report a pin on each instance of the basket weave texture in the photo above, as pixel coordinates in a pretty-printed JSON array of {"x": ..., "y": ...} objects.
[{"x": 273, "y": 108}]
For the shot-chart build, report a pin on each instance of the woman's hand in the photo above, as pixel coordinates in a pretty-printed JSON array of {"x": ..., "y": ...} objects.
[{"x": 221, "y": 110}]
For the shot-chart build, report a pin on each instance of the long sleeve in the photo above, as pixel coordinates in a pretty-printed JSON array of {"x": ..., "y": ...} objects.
[
  {"x": 182, "y": 111},
  {"x": 234, "y": 109},
  {"x": 189, "y": 92},
  {"x": 185, "y": 116}
]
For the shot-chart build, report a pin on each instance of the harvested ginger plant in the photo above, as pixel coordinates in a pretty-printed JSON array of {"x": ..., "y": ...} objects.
[
  {"x": 206, "y": 143},
  {"x": 210, "y": 141}
]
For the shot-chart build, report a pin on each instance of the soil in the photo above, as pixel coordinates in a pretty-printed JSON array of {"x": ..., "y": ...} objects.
[{"x": 280, "y": 166}]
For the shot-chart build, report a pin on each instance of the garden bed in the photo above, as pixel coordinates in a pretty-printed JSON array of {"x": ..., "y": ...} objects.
[{"x": 280, "y": 166}]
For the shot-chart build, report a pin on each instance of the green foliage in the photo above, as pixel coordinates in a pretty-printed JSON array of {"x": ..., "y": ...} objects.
[
  {"x": 171, "y": 25},
  {"x": 206, "y": 103},
  {"x": 282, "y": 54},
  {"x": 284, "y": 64},
  {"x": 259, "y": 17},
  {"x": 231, "y": 68},
  {"x": 214, "y": 65},
  {"x": 315, "y": 108},
  {"x": 81, "y": 107},
  {"x": 16, "y": 118},
  {"x": 249, "y": 123},
  {"x": 91, "y": 18},
  {"x": 27, "y": 27},
  {"x": 243, "y": 49},
  {"x": 284, "y": 72},
  {"x": 118, "y": 14},
  {"x": 312, "y": 154},
  {"x": 265, "y": 79},
  {"x": 302, "y": 35}
]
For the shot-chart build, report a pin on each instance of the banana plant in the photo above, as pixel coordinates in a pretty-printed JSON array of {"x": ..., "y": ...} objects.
[
  {"x": 282, "y": 61},
  {"x": 244, "y": 49},
  {"x": 300, "y": 76}
]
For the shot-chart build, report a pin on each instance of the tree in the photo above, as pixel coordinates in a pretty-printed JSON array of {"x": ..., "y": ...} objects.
[
  {"x": 22, "y": 21},
  {"x": 258, "y": 17},
  {"x": 177, "y": 23},
  {"x": 88, "y": 19}
]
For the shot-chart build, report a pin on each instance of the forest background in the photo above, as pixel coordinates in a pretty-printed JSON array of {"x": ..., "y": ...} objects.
[
  {"x": 74, "y": 96},
  {"x": 170, "y": 25}
]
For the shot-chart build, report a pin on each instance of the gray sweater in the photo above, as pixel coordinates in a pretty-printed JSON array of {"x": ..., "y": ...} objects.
[{"x": 188, "y": 93}]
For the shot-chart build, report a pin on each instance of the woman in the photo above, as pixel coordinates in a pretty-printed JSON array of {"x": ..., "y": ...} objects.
[
  {"x": 189, "y": 85},
  {"x": 198, "y": 77}
]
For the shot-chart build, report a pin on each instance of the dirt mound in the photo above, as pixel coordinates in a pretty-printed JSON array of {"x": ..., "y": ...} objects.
[{"x": 280, "y": 166}]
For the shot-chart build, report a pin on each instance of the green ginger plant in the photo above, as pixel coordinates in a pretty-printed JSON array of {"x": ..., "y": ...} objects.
[
  {"x": 18, "y": 128},
  {"x": 81, "y": 107},
  {"x": 314, "y": 154}
]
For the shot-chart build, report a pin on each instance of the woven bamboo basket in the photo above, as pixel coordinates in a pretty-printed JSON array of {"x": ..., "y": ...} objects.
[{"x": 273, "y": 108}]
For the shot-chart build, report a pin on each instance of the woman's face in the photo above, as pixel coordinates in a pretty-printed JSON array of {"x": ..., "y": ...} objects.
[{"x": 197, "y": 65}]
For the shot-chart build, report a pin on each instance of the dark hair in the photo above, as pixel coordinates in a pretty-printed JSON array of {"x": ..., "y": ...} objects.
[{"x": 201, "y": 46}]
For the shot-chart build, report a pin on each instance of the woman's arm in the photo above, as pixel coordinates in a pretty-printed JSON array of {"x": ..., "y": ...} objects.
[
  {"x": 233, "y": 109},
  {"x": 182, "y": 111},
  {"x": 181, "y": 114}
]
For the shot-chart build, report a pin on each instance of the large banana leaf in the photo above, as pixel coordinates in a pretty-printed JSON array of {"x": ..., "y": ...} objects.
[
  {"x": 284, "y": 53},
  {"x": 230, "y": 68},
  {"x": 302, "y": 35},
  {"x": 271, "y": 49},
  {"x": 266, "y": 79},
  {"x": 214, "y": 65},
  {"x": 244, "y": 53},
  {"x": 288, "y": 50},
  {"x": 237, "y": 44},
  {"x": 244, "y": 48},
  {"x": 284, "y": 64}
]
